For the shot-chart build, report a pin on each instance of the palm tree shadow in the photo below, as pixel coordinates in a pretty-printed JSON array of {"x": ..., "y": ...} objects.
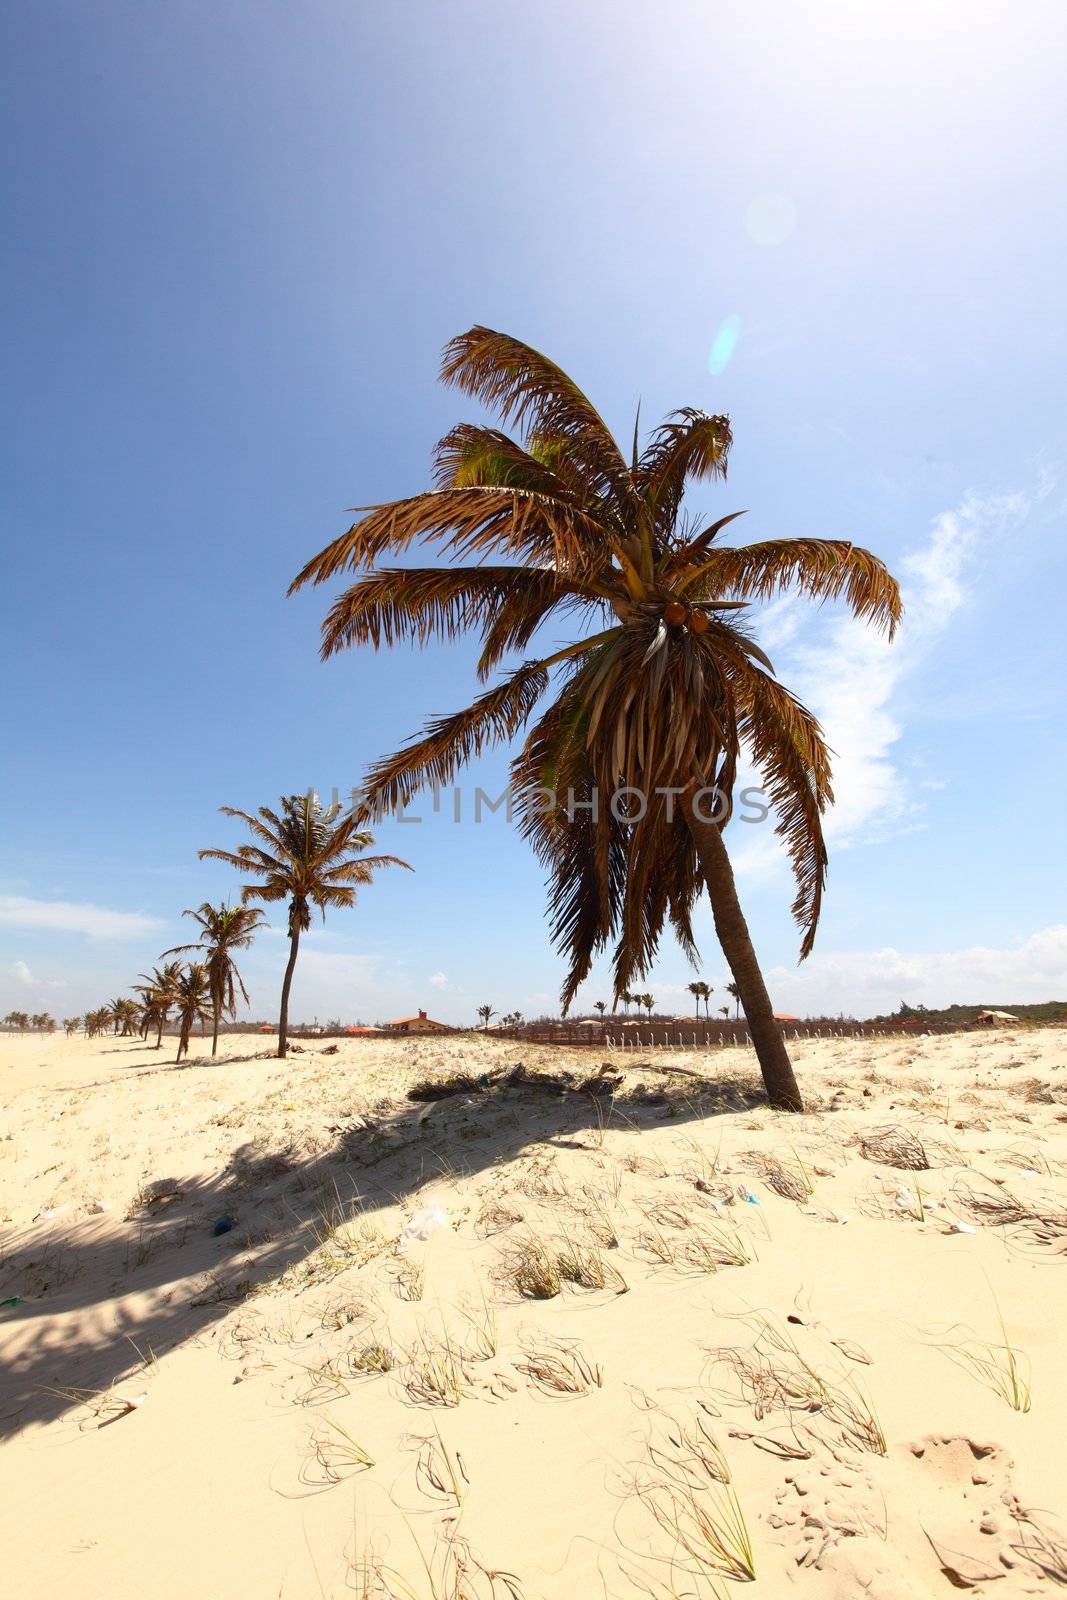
[{"x": 98, "y": 1299}]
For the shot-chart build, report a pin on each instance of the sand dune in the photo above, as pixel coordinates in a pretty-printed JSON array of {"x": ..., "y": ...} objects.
[{"x": 666, "y": 1343}]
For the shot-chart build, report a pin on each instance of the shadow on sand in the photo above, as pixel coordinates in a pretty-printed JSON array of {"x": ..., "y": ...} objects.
[{"x": 99, "y": 1296}]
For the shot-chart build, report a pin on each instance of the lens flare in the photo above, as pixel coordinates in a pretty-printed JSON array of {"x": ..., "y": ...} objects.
[{"x": 722, "y": 346}]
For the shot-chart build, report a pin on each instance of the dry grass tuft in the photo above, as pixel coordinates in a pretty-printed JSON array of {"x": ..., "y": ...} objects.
[
  {"x": 792, "y": 1180},
  {"x": 435, "y": 1371},
  {"x": 439, "y": 1471},
  {"x": 895, "y": 1147},
  {"x": 702, "y": 1247},
  {"x": 560, "y": 1367},
  {"x": 1041, "y": 1216},
  {"x": 494, "y": 1218},
  {"x": 409, "y": 1278},
  {"x": 584, "y": 1266},
  {"x": 772, "y": 1375},
  {"x": 530, "y": 1268},
  {"x": 335, "y": 1456},
  {"x": 450, "y": 1571}
]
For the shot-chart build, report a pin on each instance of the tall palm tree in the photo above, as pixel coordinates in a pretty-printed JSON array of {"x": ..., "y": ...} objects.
[
  {"x": 661, "y": 690},
  {"x": 697, "y": 989},
  {"x": 735, "y": 990},
  {"x": 485, "y": 1012},
  {"x": 308, "y": 855},
  {"x": 649, "y": 1004},
  {"x": 223, "y": 929},
  {"x": 193, "y": 1002}
]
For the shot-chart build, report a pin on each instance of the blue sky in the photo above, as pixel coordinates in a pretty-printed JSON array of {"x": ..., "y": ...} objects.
[{"x": 238, "y": 236}]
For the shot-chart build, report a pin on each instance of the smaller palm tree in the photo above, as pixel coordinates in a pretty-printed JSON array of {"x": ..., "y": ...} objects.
[
  {"x": 697, "y": 989},
  {"x": 649, "y": 1004},
  {"x": 308, "y": 855},
  {"x": 158, "y": 993},
  {"x": 599, "y": 1005},
  {"x": 193, "y": 1001},
  {"x": 725, "y": 1010},
  {"x": 71, "y": 1025},
  {"x": 485, "y": 1012},
  {"x": 223, "y": 929},
  {"x": 731, "y": 988}
]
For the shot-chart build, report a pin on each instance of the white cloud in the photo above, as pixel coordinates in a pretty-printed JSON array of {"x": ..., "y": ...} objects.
[
  {"x": 872, "y": 982},
  {"x": 68, "y": 916},
  {"x": 22, "y": 974},
  {"x": 438, "y": 981},
  {"x": 849, "y": 673}
]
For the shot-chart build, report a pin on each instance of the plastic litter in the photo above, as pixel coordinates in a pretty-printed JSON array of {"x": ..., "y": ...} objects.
[
  {"x": 222, "y": 1225},
  {"x": 962, "y": 1227},
  {"x": 15, "y": 1300},
  {"x": 747, "y": 1196},
  {"x": 426, "y": 1220}
]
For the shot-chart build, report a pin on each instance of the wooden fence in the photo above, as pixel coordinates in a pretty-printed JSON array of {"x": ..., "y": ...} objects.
[{"x": 623, "y": 1034}]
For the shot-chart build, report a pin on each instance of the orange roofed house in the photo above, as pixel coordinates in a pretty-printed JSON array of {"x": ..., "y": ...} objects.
[{"x": 419, "y": 1024}]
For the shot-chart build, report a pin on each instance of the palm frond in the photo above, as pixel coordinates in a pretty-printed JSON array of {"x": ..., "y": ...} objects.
[
  {"x": 689, "y": 444},
  {"x": 417, "y": 604},
  {"x": 529, "y": 390},
  {"x": 822, "y": 569}
]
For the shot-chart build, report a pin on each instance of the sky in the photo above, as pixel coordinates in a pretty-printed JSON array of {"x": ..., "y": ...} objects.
[{"x": 237, "y": 237}]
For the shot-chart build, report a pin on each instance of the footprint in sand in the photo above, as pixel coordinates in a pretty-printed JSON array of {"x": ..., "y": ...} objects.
[{"x": 971, "y": 1517}]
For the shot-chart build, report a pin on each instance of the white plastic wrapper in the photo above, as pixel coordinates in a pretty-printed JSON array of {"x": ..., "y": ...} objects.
[{"x": 425, "y": 1221}]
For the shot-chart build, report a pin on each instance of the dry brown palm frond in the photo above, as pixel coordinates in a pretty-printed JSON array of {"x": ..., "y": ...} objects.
[{"x": 824, "y": 569}]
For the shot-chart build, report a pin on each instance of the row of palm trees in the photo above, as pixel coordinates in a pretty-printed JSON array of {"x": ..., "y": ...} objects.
[
  {"x": 39, "y": 1022},
  {"x": 309, "y": 855}
]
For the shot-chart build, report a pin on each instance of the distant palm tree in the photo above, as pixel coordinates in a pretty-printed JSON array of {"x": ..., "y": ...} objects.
[
  {"x": 123, "y": 1016},
  {"x": 648, "y": 1003},
  {"x": 193, "y": 1001},
  {"x": 485, "y": 1012},
  {"x": 223, "y": 929},
  {"x": 158, "y": 993},
  {"x": 732, "y": 988},
  {"x": 725, "y": 1010},
  {"x": 598, "y": 1005},
  {"x": 698, "y": 990},
  {"x": 71, "y": 1024},
  {"x": 308, "y": 855},
  {"x": 662, "y": 689}
]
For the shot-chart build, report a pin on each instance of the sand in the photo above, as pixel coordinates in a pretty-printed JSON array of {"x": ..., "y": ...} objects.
[{"x": 774, "y": 1350}]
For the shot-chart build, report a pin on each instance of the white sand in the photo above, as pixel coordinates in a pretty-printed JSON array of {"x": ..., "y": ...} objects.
[{"x": 231, "y": 1477}]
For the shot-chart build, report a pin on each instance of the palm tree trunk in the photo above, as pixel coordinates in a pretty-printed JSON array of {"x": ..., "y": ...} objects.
[
  {"x": 215, "y": 1009},
  {"x": 287, "y": 983},
  {"x": 183, "y": 1038},
  {"x": 159, "y": 1034},
  {"x": 732, "y": 932}
]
